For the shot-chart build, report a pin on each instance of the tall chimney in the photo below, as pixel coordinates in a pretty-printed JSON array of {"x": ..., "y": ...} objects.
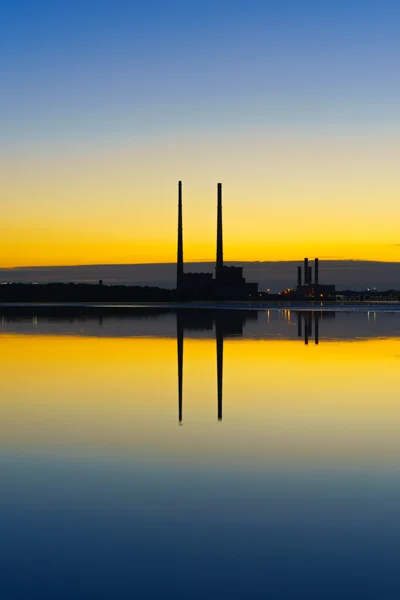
[
  {"x": 179, "y": 267},
  {"x": 220, "y": 251},
  {"x": 316, "y": 274},
  {"x": 305, "y": 271},
  {"x": 310, "y": 275},
  {"x": 298, "y": 276}
]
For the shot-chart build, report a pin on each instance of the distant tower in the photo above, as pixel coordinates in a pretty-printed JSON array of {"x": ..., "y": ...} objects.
[
  {"x": 179, "y": 270},
  {"x": 316, "y": 274},
  {"x": 306, "y": 271},
  {"x": 298, "y": 276},
  {"x": 220, "y": 250}
]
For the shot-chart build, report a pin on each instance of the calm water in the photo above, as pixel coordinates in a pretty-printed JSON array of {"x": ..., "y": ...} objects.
[{"x": 200, "y": 455}]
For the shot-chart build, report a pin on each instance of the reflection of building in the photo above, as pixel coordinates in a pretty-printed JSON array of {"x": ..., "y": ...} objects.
[
  {"x": 227, "y": 324},
  {"x": 229, "y": 283},
  {"x": 308, "y": 321}
]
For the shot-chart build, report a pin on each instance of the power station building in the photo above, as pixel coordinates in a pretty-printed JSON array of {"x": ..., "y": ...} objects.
[
  {"x": 228, "y": 283},
  {"x": 310, "y": 289}
]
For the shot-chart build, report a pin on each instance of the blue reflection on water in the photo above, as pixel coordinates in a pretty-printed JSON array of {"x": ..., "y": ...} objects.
[{"x": 79, "y": 529}]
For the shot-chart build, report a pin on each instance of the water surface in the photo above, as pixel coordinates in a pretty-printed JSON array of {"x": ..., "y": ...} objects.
[{"x": 200, "y": 454}]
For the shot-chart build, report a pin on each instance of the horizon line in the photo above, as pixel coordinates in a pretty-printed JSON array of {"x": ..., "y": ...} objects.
[{"x": 210, "y": 261}]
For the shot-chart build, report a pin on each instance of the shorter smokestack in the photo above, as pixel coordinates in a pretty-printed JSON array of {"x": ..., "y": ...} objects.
[
  {"x": 298, "y": 276},
  {"x": 305, "y": 271},
  {"x": 316, "y": 274},
  {"x": 310, "y": 275}
]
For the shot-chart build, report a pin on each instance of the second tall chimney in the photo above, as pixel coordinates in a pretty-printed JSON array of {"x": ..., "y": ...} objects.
[
  {"x": 220, "y": 250},
  {"x": 179, "y": 266},
  {"x": 316, "y": 274}
]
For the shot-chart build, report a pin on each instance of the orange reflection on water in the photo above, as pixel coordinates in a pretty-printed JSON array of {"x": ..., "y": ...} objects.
[{"x": 282, "y": 401}]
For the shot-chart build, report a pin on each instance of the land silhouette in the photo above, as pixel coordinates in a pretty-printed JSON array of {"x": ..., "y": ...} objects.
[{"x": 273, "y": 275}]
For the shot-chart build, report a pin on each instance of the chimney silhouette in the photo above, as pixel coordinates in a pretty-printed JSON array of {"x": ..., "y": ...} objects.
[
  {"x": 316, "y": 274},
  {"x": 179, "y": 270},
  {"x": 305, "y": 271},
  {"x": 220, "y": 250},
  {"x": 310, "y": 275}
]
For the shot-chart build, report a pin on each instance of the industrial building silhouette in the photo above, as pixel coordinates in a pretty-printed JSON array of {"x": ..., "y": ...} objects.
[
  {"x": 228, "y": 283},
  {"x": 309, "y": 289}
]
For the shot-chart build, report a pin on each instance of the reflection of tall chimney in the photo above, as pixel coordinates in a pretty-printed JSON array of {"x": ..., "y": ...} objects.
[
  {"x": 220, "y": 367},
  {"x": 298, "y": 276},
  {"x": 316, "y": 275},
  {"x": 305, "y": 271},
  {"x": 299, "y": 321},
  {"x": 179, "y": 267},
  {"x": 220, "y": 250},
  {"x": 316, "y": 328},
  {"x": 179, "y": 337}
]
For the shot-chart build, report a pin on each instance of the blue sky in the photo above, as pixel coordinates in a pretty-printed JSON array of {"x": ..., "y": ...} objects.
[{"x": 95, "y": 66}]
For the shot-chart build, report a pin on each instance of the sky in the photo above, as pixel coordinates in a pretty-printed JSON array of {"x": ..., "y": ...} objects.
[{"x": 106, "y": 104}]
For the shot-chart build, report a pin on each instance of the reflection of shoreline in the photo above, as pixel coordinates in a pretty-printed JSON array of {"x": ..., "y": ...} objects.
[
  {"x": 129, "y": 307},
  {"x": 159, "y": 322}
]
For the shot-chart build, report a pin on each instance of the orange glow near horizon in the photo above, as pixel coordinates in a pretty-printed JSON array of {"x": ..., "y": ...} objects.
[
  {"x": 295, "y": 194},
  {"x": 48, "y": 252}
]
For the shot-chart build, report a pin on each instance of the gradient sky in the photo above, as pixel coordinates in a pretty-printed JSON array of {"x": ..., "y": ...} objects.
[{"x": 105, "y": 104}]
